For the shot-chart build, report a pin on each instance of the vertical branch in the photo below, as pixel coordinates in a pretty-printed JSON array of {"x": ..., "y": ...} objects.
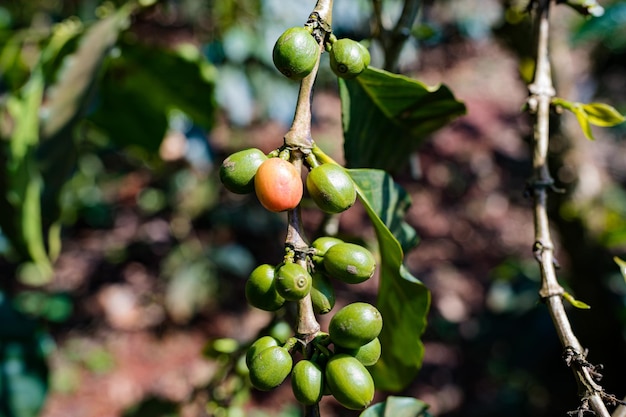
[
  {"x": 541, "y": 94},
  {"x": 300, "y": 141},
  {"x": 392, "y": 40}
]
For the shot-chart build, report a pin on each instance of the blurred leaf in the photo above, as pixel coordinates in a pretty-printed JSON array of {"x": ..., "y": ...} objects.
[
  {"x": 610, "y": 28},
  {"x": 402, "y": 299},
  {"x": 144, "y": 84},
  {"x": 66, "y": 105},
  {"x": 601, "y": 114},
  {"x": 52, "y": 307},
  {"x": 68, "y": 96},
  {"x": 387, "y": 116},
  {"x": 622, "y": 266},
  {"x": 585, "y": 7},
  {"x": 191, "y": 281},
  {"x": 598, "y": 114},
  {"x": 397, "y": 407},
  {"x": 20, "y": 212},
  {"x": 24, "y": 372},
  {"x": 576, "y": 303}
]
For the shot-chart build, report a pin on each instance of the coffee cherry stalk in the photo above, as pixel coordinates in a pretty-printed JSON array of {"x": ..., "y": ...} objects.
[{"x": 320, "y": 363}]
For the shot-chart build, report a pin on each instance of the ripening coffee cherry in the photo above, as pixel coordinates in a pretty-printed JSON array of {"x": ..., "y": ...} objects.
[
  {"x": 278, "y": 185},
  {"x": 260, "y": 290},
  {"x": 307, "y": 382},
  {"x": 331, "y": 188},
  {"x": 292, "y": 282},
  {"x": 349, "y": 263},
  {"x": 258, "y": 346},
  {"x": 349, "y": 382},
  {"x": 238, "y": 170},
  {"x": 348, "y": 58},
  {"x": 322, "y": 293},
  {"x": 270, "y": 367},
  {"x": 355, "y": 325},
  {"x": 368, "y": 354},
  {"x": 295, "y": 53}
]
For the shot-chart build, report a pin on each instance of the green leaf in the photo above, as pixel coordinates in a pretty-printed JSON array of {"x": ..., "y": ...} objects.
[
  {"x": 576, "y": 303},
  {"x": 601, "y": 114},
  {"x": 622, "y": 266},
  {"x": 68, "y": 96},
  {"x": 24, "y": 376},
  {"x": 389, "y": 201},
  {"x": 397, "y": 407},
  {"x": 585, "y": 7},
  {"x": 402, "y": 299},
  {"x": 598, "y": 114},
  {"x": 142, "y": 86},
  {"x": 387, "y": 116},
  {"x": 610, "y": 28},
  {"x": 20, "y": 213}
]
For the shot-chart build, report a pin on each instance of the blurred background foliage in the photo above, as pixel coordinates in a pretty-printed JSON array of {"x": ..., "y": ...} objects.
[{"x": 123, "y": 110}]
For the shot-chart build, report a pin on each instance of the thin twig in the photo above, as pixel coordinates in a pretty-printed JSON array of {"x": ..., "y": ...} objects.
[{"x": 541, "y": 94}]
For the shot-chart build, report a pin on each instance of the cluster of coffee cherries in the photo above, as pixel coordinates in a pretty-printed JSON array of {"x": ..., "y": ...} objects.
[
  {"x": 296, "y": 51},
  {"x": 335, "y": 362},
  {"x": 278, "y": 185},
  {"x": 337, "y": 365}
]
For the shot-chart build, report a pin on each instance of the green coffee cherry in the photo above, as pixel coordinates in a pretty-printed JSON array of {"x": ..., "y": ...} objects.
[
  {"x": 347, "y": 58},
  {"x": 349, "y": 381},
  {"x": 307, "y": 382},
  {"x": 260, "y": 290},
  {"x": 365, "y": 54},
  {"x": 321, "y": 246},
  {"x": 349, "y": 263},
  {"x": 295, "y": 53},
  {"x": 270, "y": 367},
  {"x": 292, "y": 282},
  {"x": 368, "y": 354},
  {"x": 355, "y": 325},
  {"x": 322, "y": 293},
  {"x": 331, "y": 188},
  {"x": 281, "y": 331},
  {"x": 258, "y": 346},
  {"x": 238, "y": 170}
]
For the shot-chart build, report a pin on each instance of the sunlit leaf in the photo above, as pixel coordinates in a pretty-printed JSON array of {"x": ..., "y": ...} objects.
[
  {"x": 585, "y": 7},
  {"x": 598, "y": 114},
  {"x": 601, "y": 114},
  {"x": 387, "y": 116},
  {"x": 402, "y": 299},
  {"x": 576, "y": 303},
  {"x": 397, "y": 407},
  {"x": 622, "y": 266}
]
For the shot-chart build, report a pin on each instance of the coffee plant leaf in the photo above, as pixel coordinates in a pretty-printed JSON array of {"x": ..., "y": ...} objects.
[
  {"x": 599, "y": 114},
  {"x": 576, "y": 303},
  {"x": 608, "y": 29},
  {"x": 397, "y": 407},
  {"x": 144, "y": 84},
  {"x": 387, "y": 116},
  {"x": 622, "y": 266},
  {"x": 23, "y": 353},
  {"x": 402, "y": 299},
  {"x": 389, "y": 201},
  {"x": 20, "y": 189}
]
